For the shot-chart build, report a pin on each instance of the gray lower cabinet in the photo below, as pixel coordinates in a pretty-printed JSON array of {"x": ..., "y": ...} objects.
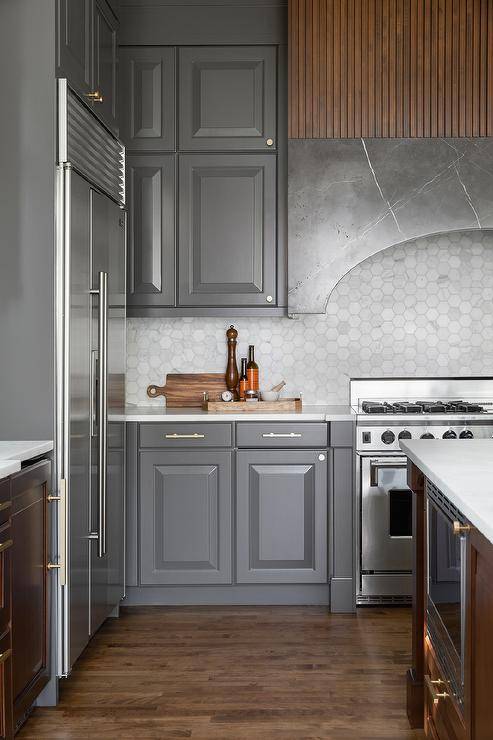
[
  {"x": 227, "y": 230},
  {"x": 281, "y": 516},
  {"x": 185, "y": 517},
  {"x": 227, "y": 98},
  {"x": 147, "y": 97},
  {"x": 151, "y": 234}
]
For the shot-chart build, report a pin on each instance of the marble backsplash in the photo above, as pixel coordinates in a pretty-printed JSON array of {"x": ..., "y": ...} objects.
[{"x": 421, "y": 308}]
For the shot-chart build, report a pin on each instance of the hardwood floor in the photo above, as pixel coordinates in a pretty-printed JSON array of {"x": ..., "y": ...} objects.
[{"x": 265, "y": 673}]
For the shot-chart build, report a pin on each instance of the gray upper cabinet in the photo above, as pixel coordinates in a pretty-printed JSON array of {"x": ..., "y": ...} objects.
[
  {"x": 151, "y": 234},
  {"x": 185, "y": 517},
  {"x": 281, "y": 516},
  {"x": 74, "y": 44},
  {"x": 227, "y": 230},
  {"x": 105, "y": 46},
  {"x": 227, "y": 98},
  {"x": 147, "y": 98}
]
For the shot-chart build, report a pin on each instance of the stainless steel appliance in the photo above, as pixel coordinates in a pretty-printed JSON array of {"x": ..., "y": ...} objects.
[
  {"x": 446, "y": 587},
  {"x": 389, "y": 410},
  {"x": 90, "y": 366}
]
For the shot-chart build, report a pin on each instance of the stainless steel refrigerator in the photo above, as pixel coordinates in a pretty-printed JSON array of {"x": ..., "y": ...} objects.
[{"x": 90, "y": 367}]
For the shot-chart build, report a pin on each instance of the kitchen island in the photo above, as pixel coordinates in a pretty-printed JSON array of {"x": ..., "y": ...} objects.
[{"x": 448, "y": 684}]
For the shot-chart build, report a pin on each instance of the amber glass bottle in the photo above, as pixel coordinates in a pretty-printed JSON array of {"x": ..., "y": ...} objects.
[
  {"x": 252, "y": 370},
  {"x": 243, "y": 378}
]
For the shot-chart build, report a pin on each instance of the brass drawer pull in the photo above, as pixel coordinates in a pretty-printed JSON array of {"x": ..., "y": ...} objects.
[
  {"x": 275, "y": 435},
  {"x": 432, "y": 686},
  {"x": 196, "y": 435},
  {"x": 5, "y": 656},
  {"x": 5, "y": 545},
  {"x": 5, "y": 505}
]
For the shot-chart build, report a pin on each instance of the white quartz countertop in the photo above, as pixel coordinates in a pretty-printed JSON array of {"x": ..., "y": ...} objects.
[
  {"x": 463, "y": 471},
  {"x": 161, "y": 413},
  {"x": 13, "y": 453}
]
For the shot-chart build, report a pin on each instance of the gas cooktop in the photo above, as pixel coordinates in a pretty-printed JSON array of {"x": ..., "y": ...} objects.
[{"x": 422, "y": 407}]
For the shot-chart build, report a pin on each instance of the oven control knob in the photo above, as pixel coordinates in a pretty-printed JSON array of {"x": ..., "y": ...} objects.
[
  {"x": 405, "y": 434},
  {"x": 427, "y": 435},
  {"x": 388, "y": 437},
  {"x": 449, "y": 434},
  {"x": 466, "y": 434}
]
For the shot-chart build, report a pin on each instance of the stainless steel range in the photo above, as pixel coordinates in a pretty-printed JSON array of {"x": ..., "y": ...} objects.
[{"x": 389, "y": 410}]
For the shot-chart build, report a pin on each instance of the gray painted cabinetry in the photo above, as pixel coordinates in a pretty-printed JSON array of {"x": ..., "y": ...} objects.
[
  {"x": 86, "y": 54},
  {"x": 281, "y": 516},
  {"x": 206, "y": 117},
  {"x": 246, "y": 512}
]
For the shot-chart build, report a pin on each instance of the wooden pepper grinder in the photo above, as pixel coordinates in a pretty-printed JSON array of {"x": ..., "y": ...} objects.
[{"x": 232, "y": 368}]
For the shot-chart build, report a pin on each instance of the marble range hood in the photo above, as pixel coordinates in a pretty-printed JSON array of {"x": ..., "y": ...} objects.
[{"x": 351, "y": 198}]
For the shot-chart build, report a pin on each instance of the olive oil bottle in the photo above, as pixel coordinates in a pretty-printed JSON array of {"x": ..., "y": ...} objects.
[
  {"x": 252, "y": 370},
  {"x": 243, "y": 387}
]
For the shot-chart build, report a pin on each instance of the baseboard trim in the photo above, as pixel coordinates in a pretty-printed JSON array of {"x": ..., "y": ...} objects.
[{"x": 248, "y": 595}]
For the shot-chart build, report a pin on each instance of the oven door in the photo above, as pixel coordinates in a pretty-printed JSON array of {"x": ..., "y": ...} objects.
[{"x": 386, "y": 516}]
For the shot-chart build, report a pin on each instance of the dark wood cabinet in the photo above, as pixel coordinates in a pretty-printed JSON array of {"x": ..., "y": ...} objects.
[
  {"x": 151, "y": 232},
  {"x": 147, "y": 98},
  {"x": 30, "y": 586},
  {"x": 227, "y": 230},
  {"x": 227, "y": 98},
  {"x": 6, "y": 706}
]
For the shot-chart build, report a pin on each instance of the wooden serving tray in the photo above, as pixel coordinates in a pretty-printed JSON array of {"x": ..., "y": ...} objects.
[{"x": 285, "y": 405}]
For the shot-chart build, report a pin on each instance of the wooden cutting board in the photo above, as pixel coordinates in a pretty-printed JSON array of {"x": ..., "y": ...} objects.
[{"x": 186, "y": 390}]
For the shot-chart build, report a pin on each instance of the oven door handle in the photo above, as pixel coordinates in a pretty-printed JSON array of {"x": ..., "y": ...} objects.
[{"x": 376, "y": 465}]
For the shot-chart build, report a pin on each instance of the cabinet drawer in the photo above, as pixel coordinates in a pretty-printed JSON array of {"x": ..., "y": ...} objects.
[
  {"x": 5, "y": 576},
  {"x": 281, "y": 434},
  {"x": 186, "y": 435}
]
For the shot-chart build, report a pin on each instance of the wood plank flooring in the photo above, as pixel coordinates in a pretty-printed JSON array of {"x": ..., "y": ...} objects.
[{"x": 221, "y": 673}]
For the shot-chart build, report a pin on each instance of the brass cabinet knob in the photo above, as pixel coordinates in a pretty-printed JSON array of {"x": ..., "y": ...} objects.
[
  {"x": 459, "y": 528},
  {"x": 95, "y": 96},
  {"x": 269, "y": 142}
]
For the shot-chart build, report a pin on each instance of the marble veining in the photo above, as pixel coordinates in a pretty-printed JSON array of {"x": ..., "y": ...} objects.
[{"x": 351, "y": 198}]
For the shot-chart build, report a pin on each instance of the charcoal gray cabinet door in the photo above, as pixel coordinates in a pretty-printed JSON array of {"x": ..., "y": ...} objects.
[
  {"x": 151, "y": 235},
  {"x": 227, "y": 230},
  {"x": 74, "y": 44},
  {"x": 185, "y": 517},
  {"x": 228, "y": 98},
  {"x": 281, "y": 516},
  {"x": 104, "y": 76},
  {"x": 147, "y": 98}
]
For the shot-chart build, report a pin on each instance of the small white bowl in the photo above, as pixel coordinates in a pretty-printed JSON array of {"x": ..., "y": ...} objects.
[{"x": 269, "y": 395}]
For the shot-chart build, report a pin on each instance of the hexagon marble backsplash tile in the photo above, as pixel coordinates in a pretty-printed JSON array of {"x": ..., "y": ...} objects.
[{"x": 421, "y": 308}]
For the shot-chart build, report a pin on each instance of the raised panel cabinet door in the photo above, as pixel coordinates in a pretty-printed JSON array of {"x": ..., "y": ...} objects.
[
  {"x": 73, "y": 44},
  {"x": 227, "y": 230},
  {"x": 185, "y": 517},
  {"x": 104, "y": 70},
  {"x": 151, "y": 233},
  {"x": 147, "y": 98},
  {"x": 228, "y": 98},
  {"x": 281, "y": 516}
]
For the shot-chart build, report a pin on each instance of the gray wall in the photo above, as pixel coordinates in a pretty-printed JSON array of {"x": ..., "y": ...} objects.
[
  {"x": 27, "y": 157},
  {"x": 421, "y": 308}
]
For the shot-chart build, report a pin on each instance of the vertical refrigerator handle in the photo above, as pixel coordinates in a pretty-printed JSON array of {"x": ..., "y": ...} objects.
[{"x": 103, "y": 409}]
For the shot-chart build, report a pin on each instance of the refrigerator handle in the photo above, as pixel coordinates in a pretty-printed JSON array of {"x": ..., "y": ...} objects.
[{"x": 102, "y": 409}]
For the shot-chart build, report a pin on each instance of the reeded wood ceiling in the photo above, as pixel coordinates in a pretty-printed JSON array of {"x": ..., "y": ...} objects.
[{"x": 390, "y": 68}]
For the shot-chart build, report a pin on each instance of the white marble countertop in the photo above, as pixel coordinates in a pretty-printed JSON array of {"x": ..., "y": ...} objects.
[
  {"x": 463, "y": 471},
  {"x": 161, "y": 413},
  {"x": 13, "y": 453}
]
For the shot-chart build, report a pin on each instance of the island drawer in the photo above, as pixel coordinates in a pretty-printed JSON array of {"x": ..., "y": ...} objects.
[
  {"x": 5, "y": 501},
  {"x": 281, "y": 434},
  {"x": 187, "y": 434}
]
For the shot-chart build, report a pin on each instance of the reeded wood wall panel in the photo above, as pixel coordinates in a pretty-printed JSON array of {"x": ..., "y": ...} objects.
[{"x": 390, "y": 68}]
